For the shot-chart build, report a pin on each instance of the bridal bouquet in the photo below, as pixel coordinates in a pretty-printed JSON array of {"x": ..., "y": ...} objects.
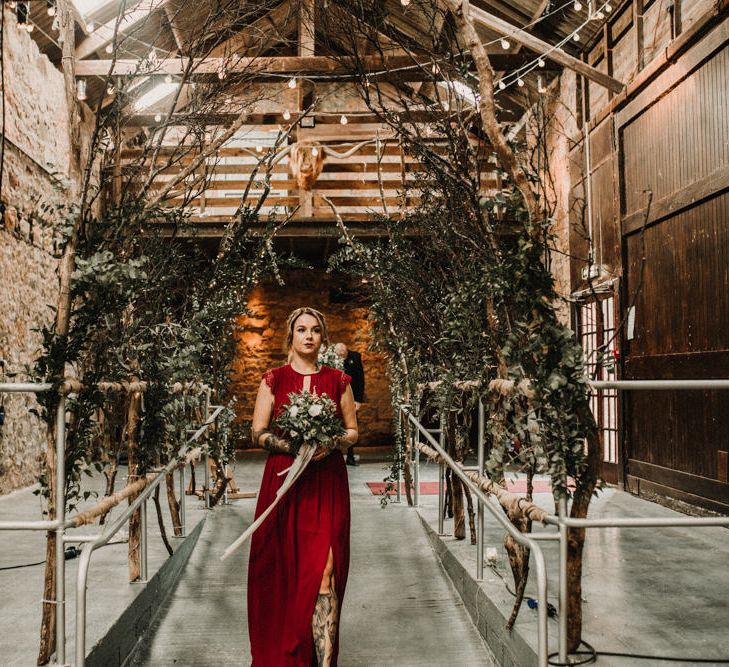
[
  {"x": 328, "y": 357},
  {"x": 310, "y": 418}
]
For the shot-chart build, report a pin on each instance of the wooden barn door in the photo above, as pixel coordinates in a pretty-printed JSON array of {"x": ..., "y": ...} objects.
[
  {"x": 596, "y": 330},
  {"x": 674, "y": 141}
]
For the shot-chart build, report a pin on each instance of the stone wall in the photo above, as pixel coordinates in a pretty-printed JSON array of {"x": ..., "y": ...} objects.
[
  {"x": 261, "y": 345},
  {"x": 36, "y": 156}
]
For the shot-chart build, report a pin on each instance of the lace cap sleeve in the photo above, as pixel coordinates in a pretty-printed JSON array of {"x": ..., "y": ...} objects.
[
  {"x": 344, "y": 381},
  {"x": 269, "y": 377}
]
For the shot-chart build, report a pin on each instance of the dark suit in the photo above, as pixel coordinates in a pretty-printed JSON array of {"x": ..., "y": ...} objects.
[{"x": 353, "y": 367}]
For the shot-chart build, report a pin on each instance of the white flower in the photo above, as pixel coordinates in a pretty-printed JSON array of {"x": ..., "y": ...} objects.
[
  {"x": 293, "y": 410},
  {"x": 315, "y": 410}
]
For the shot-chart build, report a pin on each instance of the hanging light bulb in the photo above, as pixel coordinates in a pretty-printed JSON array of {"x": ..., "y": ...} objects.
[
  {"x": 435, "y": 69},
  {"x": 502, "y": 85},
  {"x": 315, "y": 151},
  {"x": 29, "y": 27},
  {"x": 110, "y": 90},
  {"x": 608, "y": 7},
  {"x": 520, "y": 82},
  {"x": 541, "y": 62},
  {"x": 109, "y": 48},
  {"x": 576, "y": 37},
  {"x": 343, "y": 120},
  {"x": 540, "y": 85},
  {"x": 168, "y": 78},
  {"x": 599, "y": 16},
  {"x": 367, "y": 83},
  {"x": 577, "y": 6},
  {"x": 91, "y": 26},
  {"x": 157, "y": 117},
  {"x": 292, "y": 82},
  {"x": 222, "y": 72},
  {"x": 51, "y": 7},
  {"x": 287, "y": 115},
  {"x": 81, "y": 89},
  {"x": 404, "y": 3},
  {"x": 259, "y": 149},
  {"x": 505, "y": 44}
]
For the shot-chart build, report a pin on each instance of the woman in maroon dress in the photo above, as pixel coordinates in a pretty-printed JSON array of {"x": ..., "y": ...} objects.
[{"x": 299, "y": 557}]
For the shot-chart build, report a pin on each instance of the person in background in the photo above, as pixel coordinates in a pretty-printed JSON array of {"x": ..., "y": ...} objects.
[{"x": 353, "y": 367}]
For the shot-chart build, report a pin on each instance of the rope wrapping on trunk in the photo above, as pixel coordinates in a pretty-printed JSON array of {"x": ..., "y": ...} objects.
[{"x": 516, "y": 506}]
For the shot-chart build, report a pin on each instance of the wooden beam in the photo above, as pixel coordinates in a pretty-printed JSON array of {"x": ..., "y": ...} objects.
[
  {"x": 543, "y": 48},
  {"x": 261, "y": 35},
  {"x": 307, "y": 27},
  {"x": 104, "y": 34},
  {"x": 295, "y": 65}
]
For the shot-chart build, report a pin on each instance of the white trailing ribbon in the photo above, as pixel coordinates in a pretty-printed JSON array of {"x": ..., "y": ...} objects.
[{"x": 306, "y": 451}]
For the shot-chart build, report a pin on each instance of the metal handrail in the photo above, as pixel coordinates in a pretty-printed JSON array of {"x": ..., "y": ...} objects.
[
  {"x": 61, "y": 523},
  {"x": 94, "y": 542},
  {"x": 517, "y": 535},
  {"x": 563, "y": 522}
]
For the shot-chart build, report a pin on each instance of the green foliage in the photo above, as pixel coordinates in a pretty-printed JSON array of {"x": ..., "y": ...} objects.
[
  {"x": 460, "y": 293},
  {"x": 155, "y": 309}
]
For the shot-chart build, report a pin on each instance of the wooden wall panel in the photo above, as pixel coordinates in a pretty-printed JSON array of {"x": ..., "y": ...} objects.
[
  {"x": 656, "y": 29},
  {"x": 681, "y": 332},
  {"x": 681, "y": 139}
]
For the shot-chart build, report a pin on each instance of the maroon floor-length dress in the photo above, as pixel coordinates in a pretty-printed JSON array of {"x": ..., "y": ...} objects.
[{"x": 289, "y": 550}]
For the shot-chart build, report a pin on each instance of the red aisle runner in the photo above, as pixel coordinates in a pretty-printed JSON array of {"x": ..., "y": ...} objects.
[{"x": 431, "y": 488}]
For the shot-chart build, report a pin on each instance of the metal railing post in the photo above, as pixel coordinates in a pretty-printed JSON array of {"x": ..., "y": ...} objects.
[
  {"x": 61, "y": 518},
  {"x": 81, "y": 585},
  {"x": 143, "y": 545},
  {"x": 563, "y": 591},
  {"x": 441, "y": 478},
  {"x": 480, "y": 523},
  {"x": 206, "y": 488},
  {"x": 416, "y": 454},
  {"x": 399, "y": 462},
  {"x": 182, "y": 500}
]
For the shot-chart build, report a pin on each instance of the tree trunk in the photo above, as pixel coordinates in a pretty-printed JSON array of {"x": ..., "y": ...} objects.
[
  {"x": 161, "y": 522},
  {"x": 63, "y": 312},
  {"x": 471, "y": 514},
  {"x": 48, "y": 618},
  {"x": 174, "y": 505},
  {"x": 459, "y": 516},
  {"x": 135, "y": 521}
]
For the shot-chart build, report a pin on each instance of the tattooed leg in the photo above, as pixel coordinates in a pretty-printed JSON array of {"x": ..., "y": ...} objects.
[
  {"x": 324, "y": 626},
  {"x": 326, "y": 617}
]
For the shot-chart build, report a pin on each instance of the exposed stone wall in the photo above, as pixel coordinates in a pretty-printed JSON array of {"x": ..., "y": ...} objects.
[
  {"x": 36, "y": 155},
  {"x": 261, "y": 345}
]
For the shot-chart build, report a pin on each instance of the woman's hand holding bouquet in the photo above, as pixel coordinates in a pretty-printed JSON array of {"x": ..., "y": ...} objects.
[{"x": 312, "y": 419}]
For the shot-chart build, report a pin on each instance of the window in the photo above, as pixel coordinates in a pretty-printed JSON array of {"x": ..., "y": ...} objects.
[{"x": 596, "y": 330}]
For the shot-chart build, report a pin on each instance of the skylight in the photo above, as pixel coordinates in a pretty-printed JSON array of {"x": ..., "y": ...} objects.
[
  {"x": 88, "y": 7},
  {"x": 154, "y": 95}
]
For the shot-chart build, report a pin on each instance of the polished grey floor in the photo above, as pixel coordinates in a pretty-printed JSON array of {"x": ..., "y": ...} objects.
[{"x": 400, "y": 607}]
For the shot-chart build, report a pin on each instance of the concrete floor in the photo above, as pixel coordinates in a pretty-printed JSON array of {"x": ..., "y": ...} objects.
[
  {"x": 656, "y": 592},
  {"x": 649, "y": 591},
  {"x": 400, "y": 607},
  {"x": 109, "y": 593}
]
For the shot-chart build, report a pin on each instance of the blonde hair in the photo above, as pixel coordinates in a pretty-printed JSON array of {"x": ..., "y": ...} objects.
[{"x": 296, "y": 314}]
